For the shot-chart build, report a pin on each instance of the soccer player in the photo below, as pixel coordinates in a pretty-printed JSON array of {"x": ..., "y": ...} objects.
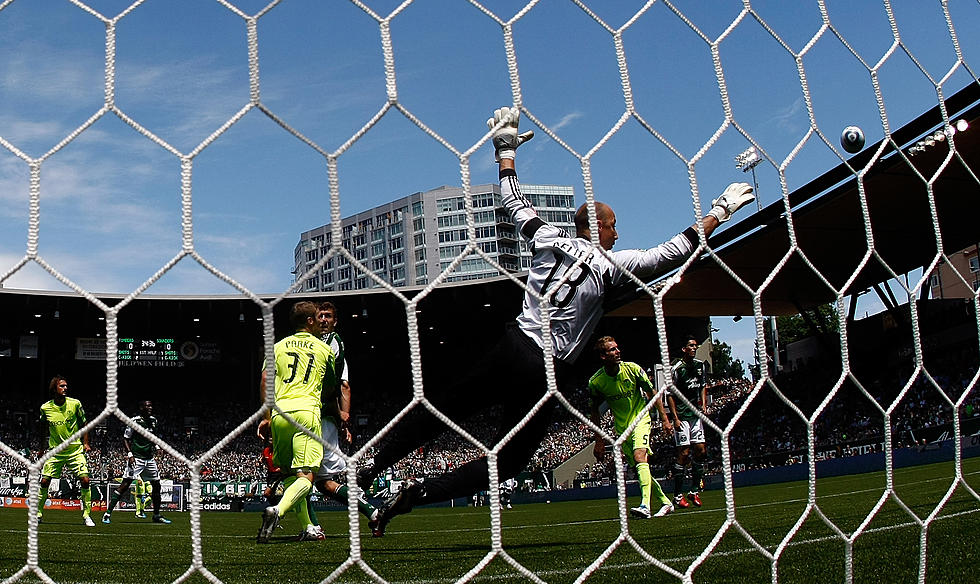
[
  {"x": 304, "y": 365},
  {"x": 63, "y": 417},
  {"x": 140, "y": 462},
  {"x": 572, "y": 276},
  {"x": 624, "y": 385},
  {"x": 507, "y": 489},
  {"x": 335, "y": 420},
  {"x": 690, "y": 379}
]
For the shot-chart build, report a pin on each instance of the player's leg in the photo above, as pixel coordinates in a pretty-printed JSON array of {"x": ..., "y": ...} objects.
[
  {"x": 293, "y": 449},
  {"x": 697, "y": 462},
  {"x": 139, "y": 494},
  {"x": 636, "y": 448},
  {"x": 152, "y": 484},
  {"x": 682, "y": 439},
  {"x": 51, "y": 470},
  {"x": 115, "y": 495},
  {"x": 79, "y": 466}
]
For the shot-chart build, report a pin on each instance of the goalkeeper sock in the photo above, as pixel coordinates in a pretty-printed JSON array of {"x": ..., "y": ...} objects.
[
  {"x": 296, "y": 490},
  {"x": 678, "y": 479},
  {"x": 86, "y": 502},
  {"x": 697, "y": 471},
  {"x": 41, "y": 498},
  {"x": 657, "y": 492},
  {"x": 643, "y": 474},
  {"x": 343, "y": 495}
]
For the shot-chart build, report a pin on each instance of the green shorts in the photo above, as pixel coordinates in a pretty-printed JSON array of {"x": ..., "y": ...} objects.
[
  {"x": 639, "y": 440},
  {"x": 73, "y": 456},
  {"x": 293, "y": 449}
]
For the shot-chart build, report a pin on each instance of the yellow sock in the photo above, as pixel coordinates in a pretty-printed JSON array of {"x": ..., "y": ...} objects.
[
  {"x": 643, "y": 474},
  {"x": 296, "y": 490}
]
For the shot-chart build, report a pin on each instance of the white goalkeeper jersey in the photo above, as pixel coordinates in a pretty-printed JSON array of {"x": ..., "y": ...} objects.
[{"x": 576, "y": 305}]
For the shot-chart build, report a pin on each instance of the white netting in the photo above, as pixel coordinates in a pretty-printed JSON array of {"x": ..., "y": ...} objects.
[{"x": 747, "y": 16}]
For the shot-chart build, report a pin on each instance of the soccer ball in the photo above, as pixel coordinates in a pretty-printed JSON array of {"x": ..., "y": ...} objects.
[{"x": 852, "y": 139}]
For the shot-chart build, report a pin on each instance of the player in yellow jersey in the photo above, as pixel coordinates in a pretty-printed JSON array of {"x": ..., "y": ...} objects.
[
  {"x": 304, "y": 366},
  {"x": 63, "y": 417},
  {"x": 626, "y": 388}
]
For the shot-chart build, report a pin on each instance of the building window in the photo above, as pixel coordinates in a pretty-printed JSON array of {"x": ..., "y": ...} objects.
[
  {"x": 934, "y": 280},
  {"x": 377, "y": 249},
  {"x": 975, "y": 264},
  {"x": 418, "y": 224},
  {"x": 417, "y": 209},
  {"x": 420, "y": 255},
  {"x": 396, "y": 243},
  {"x": 450, "y": 205},
  {"x": 396, "y": 229},
  {"x": 420, "y": 271},
  {"x": 378, "y": 264},
  {"x": 420, "y": 240},
  {"x": 976, "y": 285},
  {"x": 397, "y": 258},
  {"x": 311, "y": 255}
]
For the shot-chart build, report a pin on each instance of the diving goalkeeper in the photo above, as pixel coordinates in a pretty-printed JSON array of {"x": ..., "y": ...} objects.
[{"x": 572, "y": 276}]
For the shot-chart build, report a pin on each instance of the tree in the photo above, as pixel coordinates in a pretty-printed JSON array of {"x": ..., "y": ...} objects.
[
  {"x": 819, "y": 321},
  {"x": 722, "y": 364}
]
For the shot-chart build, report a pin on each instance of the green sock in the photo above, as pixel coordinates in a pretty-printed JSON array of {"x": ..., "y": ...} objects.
[
  {"x": 41, "y": 498},
  {"x": 311, "y": 511},
  {"x": 643, "y": 474},
  {"x": 296, "y": 490},
  {"x": 657, "y": 492},
  {"x": 697, "y": 471},
  {"x": 343, "y": 494},
  {"x": 86, "y": 502}
]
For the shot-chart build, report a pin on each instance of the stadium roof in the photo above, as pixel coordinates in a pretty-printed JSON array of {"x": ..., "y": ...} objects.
[{"x": 827, "y": 220}]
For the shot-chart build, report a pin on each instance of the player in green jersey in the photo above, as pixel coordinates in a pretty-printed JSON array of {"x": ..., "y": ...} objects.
[
  {"x": 689, "y": 378},
  {"x": 626, "y": 388},
  {"x": 304, "y": 365},
  {"x": 140, "y": 462},
  {"x": 64, "y": 416}
]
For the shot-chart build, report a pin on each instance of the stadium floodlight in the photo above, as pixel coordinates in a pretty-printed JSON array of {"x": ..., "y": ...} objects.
[
  {"x": 962, "y": 125},
  {"x": 746, "y": 161}
]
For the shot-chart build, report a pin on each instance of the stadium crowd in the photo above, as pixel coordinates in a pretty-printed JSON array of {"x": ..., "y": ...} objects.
[{"x": 769, "y": 432}]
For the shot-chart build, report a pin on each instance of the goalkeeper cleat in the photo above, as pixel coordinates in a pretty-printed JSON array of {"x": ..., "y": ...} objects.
[
  {"x": 270, "y": 520},
  {"x": 665, "y": 509},
  {"x": 88, "y": 521},
  {"x": 141, "y": 515},
  {"x": 161, "y": 519},
  {"x": 694, "y": 498},
  {"x": 401, "y": 503},
  {"x": 680, "y": 501},
  {"x": 643, "y": 512},
  {"x": 106, "y": 518}
]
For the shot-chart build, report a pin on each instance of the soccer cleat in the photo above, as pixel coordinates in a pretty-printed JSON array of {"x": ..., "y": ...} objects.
[
  {"x": 141, "y": 515},
  {"x": 39, "y": 518},
  {"x": 312, "y": 533},
  {"x": 694, "y": 498},
  {"x": 509, "y": 506},
  {"x": 106, "y": 519},
  {"x": 681, "y": 502},
  {"x": 642, "y": 512},
  {"x": 88, "y": 521},
  {"x": 373, "y": 524},
  {"x": 402, "y": 503},
  {"x": 161, "y": 519},
  {"x": 270, "y": 520},
  {"x": 665, "y": 509}
]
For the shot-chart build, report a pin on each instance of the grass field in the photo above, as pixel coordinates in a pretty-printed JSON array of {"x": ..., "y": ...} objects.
[{"x": 555, "y": 541}]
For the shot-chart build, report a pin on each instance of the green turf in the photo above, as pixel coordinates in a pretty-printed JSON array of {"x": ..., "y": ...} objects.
[{"x": 555, "y": 541}]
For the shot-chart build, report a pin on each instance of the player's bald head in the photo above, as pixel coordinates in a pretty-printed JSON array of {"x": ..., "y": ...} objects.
[{"x": 603, "y": 212}]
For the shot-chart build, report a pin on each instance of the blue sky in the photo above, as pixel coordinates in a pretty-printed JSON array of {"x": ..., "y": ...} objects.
[{"x": 110, "y": 205}]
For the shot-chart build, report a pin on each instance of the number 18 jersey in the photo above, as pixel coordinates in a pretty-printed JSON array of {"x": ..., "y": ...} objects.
[{"x": 577, "y": 302}]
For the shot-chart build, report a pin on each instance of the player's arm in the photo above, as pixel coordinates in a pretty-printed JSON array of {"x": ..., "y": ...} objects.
[
  {"x": 128, "y": 444},
  {"x": 343, "y": 411},
  {"x": 262, "y": 390},
  {"x": 44, "y": 431},
  {"x": 673, "y": 410},
  {"x": 82, "y": 421}
]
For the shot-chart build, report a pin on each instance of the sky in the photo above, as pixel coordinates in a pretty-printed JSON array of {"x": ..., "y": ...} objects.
[{"x": 110, "y": 198}]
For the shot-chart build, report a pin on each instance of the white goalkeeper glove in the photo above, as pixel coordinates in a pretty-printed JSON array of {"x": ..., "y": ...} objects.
[
  {"x": 505, "y": 137},
  {"x": 736, "y": 196}
]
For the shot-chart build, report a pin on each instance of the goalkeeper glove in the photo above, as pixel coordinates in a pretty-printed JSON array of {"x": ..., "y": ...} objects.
[
  {"x": 505, "y": 137},
  {"x": 736, "y": 196}
]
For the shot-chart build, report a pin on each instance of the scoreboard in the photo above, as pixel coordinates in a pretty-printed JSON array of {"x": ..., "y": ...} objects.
[{"x": 148, "y": 350}]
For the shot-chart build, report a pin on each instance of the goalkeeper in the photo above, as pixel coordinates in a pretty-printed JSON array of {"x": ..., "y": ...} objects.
[
  {"x": 626, "y": 388},
  {"x": 572, "y": 276}
]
